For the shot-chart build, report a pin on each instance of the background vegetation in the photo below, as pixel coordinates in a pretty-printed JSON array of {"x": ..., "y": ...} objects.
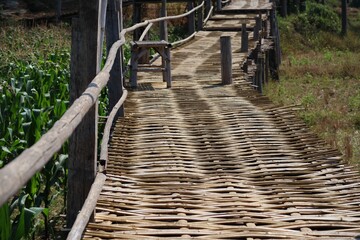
[
  {"x": 320, "y": 72},
  {"x": 34, "y": 90}
]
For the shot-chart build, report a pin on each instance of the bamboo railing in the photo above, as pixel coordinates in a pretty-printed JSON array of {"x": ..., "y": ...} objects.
[{"x": 90, "y": 203}]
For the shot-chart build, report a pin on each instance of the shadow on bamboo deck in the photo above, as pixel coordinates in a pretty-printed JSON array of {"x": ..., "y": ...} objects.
[{"x": 207, "y": 161}]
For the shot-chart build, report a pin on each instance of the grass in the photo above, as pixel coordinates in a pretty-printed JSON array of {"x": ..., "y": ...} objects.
[
  {"x": 29, "y": 44},
  {"x": 320, "y": 73}
]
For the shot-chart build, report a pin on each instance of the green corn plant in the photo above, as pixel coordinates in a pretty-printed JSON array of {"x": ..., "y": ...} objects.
[{"x": 32, "y": 99}]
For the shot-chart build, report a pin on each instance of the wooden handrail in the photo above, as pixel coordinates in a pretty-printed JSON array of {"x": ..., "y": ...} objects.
[
  {"x": 15, "y": 174},
  {"x": 209, "y": 15},
  {"x": 151, "y": 21},
  {"x": 106, "y": 135},
  {"x": 87, "y": 209}
]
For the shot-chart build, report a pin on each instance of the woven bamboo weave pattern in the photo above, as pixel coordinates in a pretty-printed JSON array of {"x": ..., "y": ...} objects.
[{"x": 205, "y": 161}]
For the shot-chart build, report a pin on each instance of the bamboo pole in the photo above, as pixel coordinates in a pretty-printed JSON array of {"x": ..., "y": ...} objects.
[
  {"x": 226, "y": 60},
  {"x": 88, "y": 208}
]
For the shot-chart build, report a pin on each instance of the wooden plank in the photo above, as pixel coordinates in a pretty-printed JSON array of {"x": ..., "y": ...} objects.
[
  {"x": 113, "y": 27},
  {"x": 226, "y": 60},
  {"x": 83, "y": 142}
]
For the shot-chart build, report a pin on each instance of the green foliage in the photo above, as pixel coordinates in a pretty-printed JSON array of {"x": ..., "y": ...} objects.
[
  {"x": 5, "y": 222},
  {"x": 317, "y": 17},
  {"x": 320, "y": 73},
  {"x": 34, "y": 95}
]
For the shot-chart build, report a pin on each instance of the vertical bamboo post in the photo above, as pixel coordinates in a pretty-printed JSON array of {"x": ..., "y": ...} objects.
[
  {"x": 200, "y": 15},
  {"x": 218, "y": 5},
  {"x": 113, "y": 27},
  {"x": 284, "y": 11},
  {"x": 244, "y": 39},
  {"x": 266, "y": 68},
  {"x": 226, "y": 60},
  {"x": 257, "y": 28},
  {"x": 163, "y": 24},
  {"x": 58, "y": 11},
  {"x": 191, "y": 18},
  {"x": 83, "y": 142},
  {"x": 260, "y": 70},
  {"x": 207, "y": 7},
  {"x": 136, "y": 19},
  {"x": 101, "y": 33}
]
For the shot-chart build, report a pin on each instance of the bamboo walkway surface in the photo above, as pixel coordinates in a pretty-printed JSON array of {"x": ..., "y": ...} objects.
[{"x": 206, "y": 161}]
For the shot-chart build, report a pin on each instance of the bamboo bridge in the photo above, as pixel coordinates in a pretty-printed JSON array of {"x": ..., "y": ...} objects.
[
  {"x": 206, "y": 160},
  {"x": 209, "y": 161}
]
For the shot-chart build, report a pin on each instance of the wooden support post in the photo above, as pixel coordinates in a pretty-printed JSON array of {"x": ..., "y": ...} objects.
[
  {"x": 166, "y": 60},
  {"x": 244, "y": 39},
  {"x": 83, "y": 142},
  {"x": 58, "y": 11},
  {"x": 284, "y": 11},
  {"x": 136, "y": 19},
  {"x": 133, "y": 67},
  {"x": 260, "y": 71},
  {"x": 266, "y": 68},
  {"x": 163, "y": 24},
  {"x": 226, "y": 60},
  {"x": 200, "y": 17},
  {"x": 101, "y": 33},
  {"x": 218, "y": 5},
  {"x": 191, "y": 18},
  {"x": 207, "y": 7},
  {"x": 113, "y": 27},
  {"x": 257, "y": 28}
]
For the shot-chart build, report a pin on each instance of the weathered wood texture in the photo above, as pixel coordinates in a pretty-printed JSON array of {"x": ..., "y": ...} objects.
[
  {"x": 207, "y": 161},
  {"x": 163, "y": 24},
  {"x": 114, "y": 25},
  {"x": 83, "y": 143},
  {"x": 246, "y": 6},
  {"x": 139, "y": 48},
  {"x": 88, "y": 208},
  {"x": 226, "y": 60},
  {"x": 244, "y": 39}
]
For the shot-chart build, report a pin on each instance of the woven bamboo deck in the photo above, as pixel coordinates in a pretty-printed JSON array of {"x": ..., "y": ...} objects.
[{"x": 206, "y": 161}]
